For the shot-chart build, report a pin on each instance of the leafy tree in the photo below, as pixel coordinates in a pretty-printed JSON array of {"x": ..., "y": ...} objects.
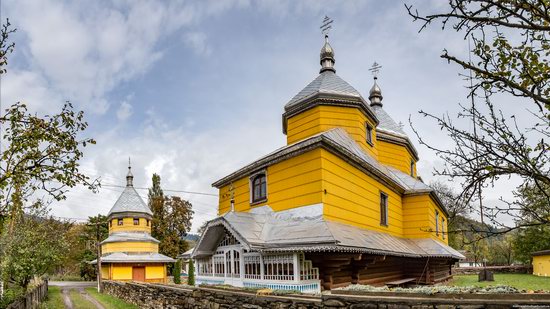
[
  {"x": 172, "y": 217},
  {"x": 88, "y": 242},
  {"x": 534, "y": 208},
  {"x": 177, "y": 272},
  {"x": 510, "y": 57},
  {"x": 39, "y": 153},
  {"x": 156, "y": 204},
  {"x": 191, "y": 275},
  {"x": 35, "y": 247}
]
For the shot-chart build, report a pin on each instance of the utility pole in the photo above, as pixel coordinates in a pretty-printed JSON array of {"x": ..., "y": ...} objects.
[{"x": 98, "y": 250}]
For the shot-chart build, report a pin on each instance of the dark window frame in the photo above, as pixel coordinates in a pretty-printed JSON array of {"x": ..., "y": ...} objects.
[
  {"x": 436, "y": 223},
  {"x": 412, "y": 168},
  {"x": 258, "y": 180},
  {"x": 120, "y": 222},
  {"x": 369, "y": 136},
  {"x": 148, "y": 222},
  {"x": 135, "y": 221},
  {"x": 384, "y": 201}
]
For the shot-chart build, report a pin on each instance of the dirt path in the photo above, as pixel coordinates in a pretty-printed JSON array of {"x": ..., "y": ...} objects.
[
  {"x": 91, "y": 299},
  {"x": 67, "y": 299}
]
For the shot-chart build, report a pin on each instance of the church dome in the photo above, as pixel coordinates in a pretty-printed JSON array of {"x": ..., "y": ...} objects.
[
  {"x": 327, "y": 57},
  {"x": 375, "y": 94}
]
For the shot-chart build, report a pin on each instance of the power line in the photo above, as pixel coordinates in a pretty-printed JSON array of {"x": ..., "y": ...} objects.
[{"x": 166, "y": 190}]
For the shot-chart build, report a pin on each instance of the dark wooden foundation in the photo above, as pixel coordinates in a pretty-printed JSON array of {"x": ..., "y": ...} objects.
[{"x": 340, "y": 269}]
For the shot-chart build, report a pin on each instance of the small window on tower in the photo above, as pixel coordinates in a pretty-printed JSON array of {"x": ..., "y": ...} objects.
[
  {"x": 120, "y": 221},
  {"x": 147, "y": 222},
  {"x": 136, "y": 221},
  {"x": 369, "y": 134},
  {"x": 412, "y": 168},
  {"x": 443, "y": 228},
  {"x": 383, "y": 209},
  {"x": 111, "y": 223}
]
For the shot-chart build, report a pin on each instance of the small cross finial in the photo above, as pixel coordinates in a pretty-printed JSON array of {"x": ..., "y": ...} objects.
[
  {"x": 129, "y": 164},
  {"x": 326, "y": 25},
  {"x": 375, "y": 69}
]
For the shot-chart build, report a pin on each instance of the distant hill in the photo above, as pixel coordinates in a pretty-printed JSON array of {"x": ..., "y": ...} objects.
[{"x": 192, "y": 237}]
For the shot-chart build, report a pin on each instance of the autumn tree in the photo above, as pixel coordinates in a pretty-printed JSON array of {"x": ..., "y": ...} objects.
[
  {"x": 89, "y": 240},
  {"x": 172, "y": 217},
  {"x": 509, "y": 57}
]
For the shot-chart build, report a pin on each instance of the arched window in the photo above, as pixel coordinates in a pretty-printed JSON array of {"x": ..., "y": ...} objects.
[{"x": 259, "y": 188}]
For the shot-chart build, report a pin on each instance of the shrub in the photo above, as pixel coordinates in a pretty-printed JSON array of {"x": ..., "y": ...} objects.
[
  {"x": 177, "y": 272},
  {"x": 191, "y": 278}
]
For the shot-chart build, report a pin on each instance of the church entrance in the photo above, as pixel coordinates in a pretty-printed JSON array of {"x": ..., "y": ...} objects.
[
  {"x": 233, "y": 267},
  {"x": 138, "y": 273}
]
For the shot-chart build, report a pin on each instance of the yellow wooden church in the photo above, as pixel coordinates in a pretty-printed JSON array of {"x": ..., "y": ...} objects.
[
  {"x": 130, "y": 253},
  {"x": 340, "y": 204}
]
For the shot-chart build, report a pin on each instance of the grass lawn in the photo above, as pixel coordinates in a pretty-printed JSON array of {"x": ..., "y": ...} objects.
[
  {"x": 55, "y": 300},
  {"x": 110, "y": 302},
  {"x": 79, "y": 301},
  {"x": 519, "y": 281}
]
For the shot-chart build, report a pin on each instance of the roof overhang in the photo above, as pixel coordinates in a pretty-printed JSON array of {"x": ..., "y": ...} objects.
[
  {"x": 127, "y": 214},
  {"x": 328, "y": 99},
  {"x": 400, "y": 140},
  {"x": 315, "y": 142}
]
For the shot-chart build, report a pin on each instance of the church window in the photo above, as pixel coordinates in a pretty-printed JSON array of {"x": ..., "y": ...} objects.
[
  {"x": 111, "y": 223},
  {"x": 443, "y": 228},
  {"x": 383, "y": 209},
  {"x": 147, "y": 222},
  {"x": 369, "y": 134},
  {"x": 412, "y": 168},
  {"x": 136, "y": 221},
  {"x": 120, "y": 222},
  {"x": 437, "y": 223},
  {"x": 259, "y": 188}
]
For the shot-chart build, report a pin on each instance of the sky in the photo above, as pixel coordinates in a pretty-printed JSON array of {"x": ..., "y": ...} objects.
[{"x": 193, "y": 90}]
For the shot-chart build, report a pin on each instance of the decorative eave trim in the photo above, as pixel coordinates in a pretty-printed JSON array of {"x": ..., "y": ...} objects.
[
  {"x": 337, "y": 248},
  {"x": 400, "y": 140},
  {"x": 331, "y": 99},
  {"x": 216, "y": 222},
  {"x": 312, "y": 143}
]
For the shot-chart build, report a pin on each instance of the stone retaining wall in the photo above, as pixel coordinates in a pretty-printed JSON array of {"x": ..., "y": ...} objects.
[
  {"x": 517, "y": 269},
  {"x": 157, "y": 296}
]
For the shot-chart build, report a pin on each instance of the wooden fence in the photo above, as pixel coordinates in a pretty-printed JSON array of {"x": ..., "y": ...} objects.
[{"x": 32, "y": 299}]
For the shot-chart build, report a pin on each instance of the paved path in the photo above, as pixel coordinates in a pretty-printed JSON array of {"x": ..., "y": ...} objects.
[{"x": 76, "y": 285}]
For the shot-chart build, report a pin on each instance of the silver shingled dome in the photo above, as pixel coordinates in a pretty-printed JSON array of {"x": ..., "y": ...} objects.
[
  {"x": 327, "y": 57},
  {"x": 375, "y": 94}
]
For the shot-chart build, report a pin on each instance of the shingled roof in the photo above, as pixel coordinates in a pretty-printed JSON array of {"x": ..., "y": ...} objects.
[
  {"x": 278, "y": 232},
  {"x": 328, "y": 83},
  {"x": 130, "y": 201}
]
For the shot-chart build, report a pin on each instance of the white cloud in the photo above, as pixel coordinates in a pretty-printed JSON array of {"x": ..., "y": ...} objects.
[{"x": 124, "y": 111}]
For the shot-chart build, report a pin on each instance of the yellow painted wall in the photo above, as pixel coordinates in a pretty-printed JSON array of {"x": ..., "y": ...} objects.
[
  {"x": 419, "y": 218},
  {"x": 354, "y": 198},
  {"x": 323, "y": 118},
  {"x": 396, "y": 156},
  {"x": 292, "y": 183},
  {"x": 122, "y": 272},
  {"x": 128, "y": 225},
  {"x": 541, "y": 265},
  {"x": 105, "y": 269},
  {"x": 133, "y": 246},
  {"x": 155, "y": 272}
]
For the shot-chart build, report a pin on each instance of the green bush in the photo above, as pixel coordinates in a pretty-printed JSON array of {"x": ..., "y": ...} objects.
[
  {"x": 191, "y": 278},
  {"x": 177, "y": 272},
  {"x": 11, "y": 295}
]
